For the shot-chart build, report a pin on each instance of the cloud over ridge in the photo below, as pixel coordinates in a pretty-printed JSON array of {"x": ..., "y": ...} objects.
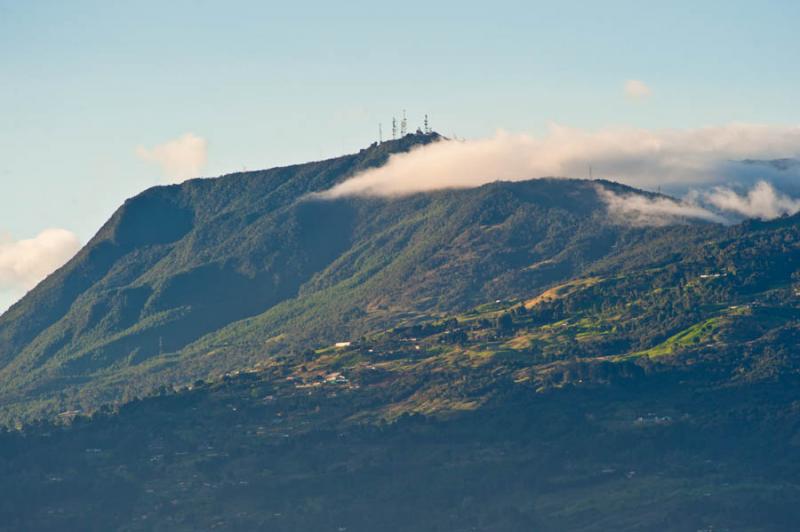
[
  {"x": 677, "y": 159},
  {"x": 719, "y": 205},
  {"x": 636, "y": 157},
  {"x": 761, "y": 201},
  {"x": 638, "y": 209}
]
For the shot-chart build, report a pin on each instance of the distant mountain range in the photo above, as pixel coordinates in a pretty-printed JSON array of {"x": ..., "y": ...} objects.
[{"x": 778, "y": 164}]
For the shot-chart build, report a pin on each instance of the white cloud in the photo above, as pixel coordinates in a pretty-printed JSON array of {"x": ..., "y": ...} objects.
[
  {"x": 23, "y": 263},
  {"x": 762, "y": 201},
  {"x": 180, "y": 159},
  {"x": 720, "y": 204},
  {"x": 637, "y": 89},
  {"x": 638, "y": 209},
  {"x": 637, "y": 157}
]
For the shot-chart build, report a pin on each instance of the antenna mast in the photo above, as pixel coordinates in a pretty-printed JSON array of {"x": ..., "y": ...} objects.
[
  {"x": 427, "y": 126},
  {"x": 403, "y": 124},
  {"x": 394, "y": 128},
  {"x": 380, "y": 133}
]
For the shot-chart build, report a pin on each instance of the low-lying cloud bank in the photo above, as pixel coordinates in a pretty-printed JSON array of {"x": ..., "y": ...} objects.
[
  {"x": 703, "y": 163},
  {"x": 720, "y": 205},
  {"x": 638, "y": 209},
  {"x": 762, "y": 201},
  {"x": 23, "y": 263}
]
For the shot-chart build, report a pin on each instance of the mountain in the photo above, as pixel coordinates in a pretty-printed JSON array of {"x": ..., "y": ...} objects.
[
  {"x": 656, "y": 391},
  {"x": 235, "y": 354},
  {"x": 194, "y": 280}
]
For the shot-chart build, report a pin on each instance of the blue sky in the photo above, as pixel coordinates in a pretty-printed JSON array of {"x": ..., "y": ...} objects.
[{"x": 83, "y": 84}]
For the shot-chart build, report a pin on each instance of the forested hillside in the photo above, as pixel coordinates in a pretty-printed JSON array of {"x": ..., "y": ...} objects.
[
  {"x": 194, "y": 280},
  {"x": 658, "y": 398},
  {"x": 235, "y": 354}
]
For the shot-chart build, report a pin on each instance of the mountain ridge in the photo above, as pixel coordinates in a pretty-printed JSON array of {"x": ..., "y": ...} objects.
[
  {"x": 510, "y": 357},
  {"x": 180, "y": 269}
]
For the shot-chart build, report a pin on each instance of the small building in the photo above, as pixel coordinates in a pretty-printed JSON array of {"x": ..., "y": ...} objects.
[
  {"x": 335, "y": 378},
  {"x": 652, "y": 420}
]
